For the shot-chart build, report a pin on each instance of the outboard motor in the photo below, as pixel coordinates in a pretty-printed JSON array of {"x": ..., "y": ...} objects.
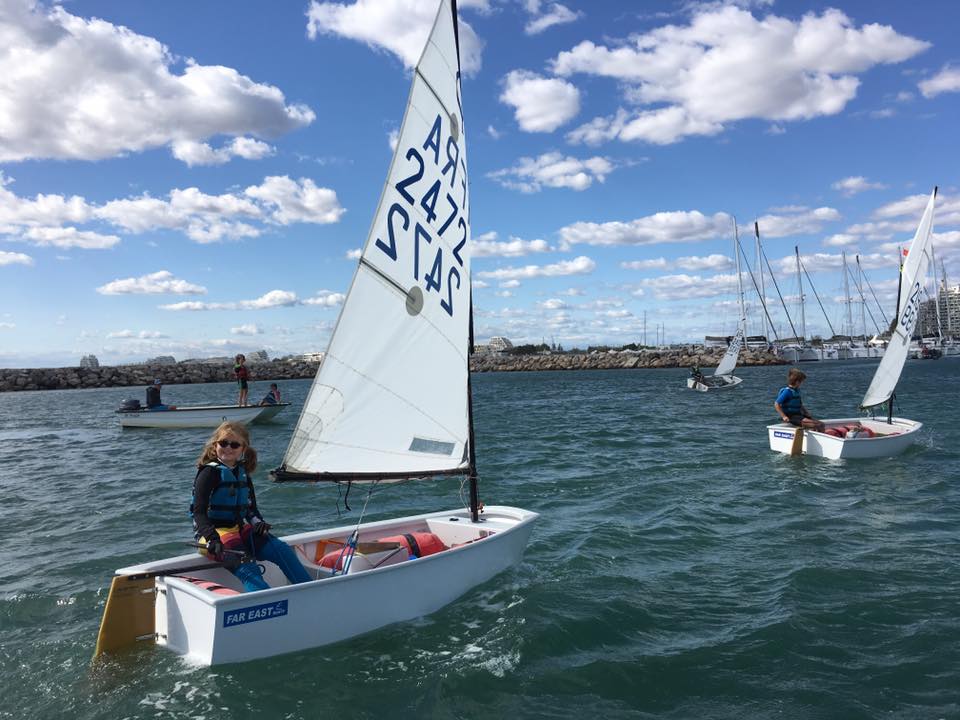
[{"x": 130, "y": 405}]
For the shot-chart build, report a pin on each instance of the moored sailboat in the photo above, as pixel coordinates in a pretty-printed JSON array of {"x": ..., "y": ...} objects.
[
  {"x": 867, "y": 438},
  {"x": 391, "y": 401}
]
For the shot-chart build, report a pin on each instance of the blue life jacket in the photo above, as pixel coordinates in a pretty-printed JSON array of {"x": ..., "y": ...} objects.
[
  {"x": 792, "y": 405},
  {"x": 229, "y": 502}
]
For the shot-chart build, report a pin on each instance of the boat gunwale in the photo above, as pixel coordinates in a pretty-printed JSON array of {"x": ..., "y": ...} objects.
[
  {"x": 192, "y": 408},
  {"x": 520, "y": 517}
]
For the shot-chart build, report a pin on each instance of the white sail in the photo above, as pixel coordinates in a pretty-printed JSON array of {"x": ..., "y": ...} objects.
[
  {"x": 912, "y": 278},
  {"x": 390, "y": 398},
  {"x": 729, "y": 360}
]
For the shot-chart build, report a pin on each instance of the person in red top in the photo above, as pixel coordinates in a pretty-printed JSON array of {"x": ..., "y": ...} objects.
[{"x": 243, "y": 375}]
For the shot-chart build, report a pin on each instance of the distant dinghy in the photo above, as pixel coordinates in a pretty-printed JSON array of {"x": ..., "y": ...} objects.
[
  {"x": 390, "y": 402},
  {"x": 197, "y": 416},
  {"x": 723, "y": 376},
  {"x": 872, "y": 438}
]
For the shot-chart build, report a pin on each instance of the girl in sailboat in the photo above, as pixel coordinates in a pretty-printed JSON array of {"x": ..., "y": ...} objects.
[
  {"x": 225, "y": 512},
  {"x": 790, "y": 407}
]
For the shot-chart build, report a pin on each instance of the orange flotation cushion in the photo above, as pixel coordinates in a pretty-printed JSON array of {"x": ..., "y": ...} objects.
[
  {"x": 425, "y": 543},
  {"x": 835, "y": 432}
]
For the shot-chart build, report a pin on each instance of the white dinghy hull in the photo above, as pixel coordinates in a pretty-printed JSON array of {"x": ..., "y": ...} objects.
[
  {"x": 211, "y": 628},
  {"x": 891, "y": 439},
  {"x": 714, "y": 382},
  {"x": 199, "y": 416}
]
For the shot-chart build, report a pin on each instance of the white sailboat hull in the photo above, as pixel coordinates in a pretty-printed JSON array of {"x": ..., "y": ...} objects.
[
  {"x": 213, "y": 628},
  {"x": 713, "y": 382},
  {"x": 199, "y": 416},
  {"x": 891, "y": 439}
]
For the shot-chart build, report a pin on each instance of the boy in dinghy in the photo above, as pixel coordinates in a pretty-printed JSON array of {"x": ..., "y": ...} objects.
[
  {"x": 790, "y": 407},
  {"x": 225, "y": 512}
]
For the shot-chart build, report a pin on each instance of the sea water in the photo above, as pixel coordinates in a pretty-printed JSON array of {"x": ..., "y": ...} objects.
[{"x": 679, "y": 568}]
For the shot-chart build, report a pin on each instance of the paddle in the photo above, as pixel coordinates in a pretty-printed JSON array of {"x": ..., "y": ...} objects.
[
  {"x": 797, "y": 447},
  {"x": 129, "y": 614}
]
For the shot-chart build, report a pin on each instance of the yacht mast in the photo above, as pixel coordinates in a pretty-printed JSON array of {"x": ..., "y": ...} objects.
[
  {"x": 803, "y": 315},
  {"x": 846, "y": 292},
  {"x": 763, "y": 292}
]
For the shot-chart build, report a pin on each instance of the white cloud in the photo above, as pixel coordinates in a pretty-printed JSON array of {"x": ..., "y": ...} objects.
[
  {"x": 578, "y": 266},
  {"x": 130, "y": 335},
  {"x": 553, "y": 304},
  {"x": 801, "y": 222},
  {"x": 272, "y": 299},
  {"x": 553, "y": 170},
  {"x": 160, "y": 282},
  {"x": 297, "y": 201},
  {"x": 197, "y": 153},
  {"x": 678, "y": 226},
  {"x": 509, "y": 284},
  {"x": 707, "y": 262},
  {"x": 7, "y": 325},
  {"x": 841, "y": 240},
  {"x": 400, "y": 27},
  {"x": 850, "y": 186},
  {"x": 727, "y": 65},
  {"x": 354, "y": 254},
  {"x": 247, "y": 329},
  {"x": 69, "y": 237},
  {"x": 557, "y": 15},
  {"x": 42, "y": 210},
  {"x": 326, "y": 298},
  {"x": 540, "y": 104},
  {"x": 87, "y": 89},
  {"x": 684, "y": 287},
  {"x": 653, "y": 264},
  {"x": 393, "y": 139},
  {"x": 493, "y": 132},
  {"x": 947, "y": 80},
  {"x": 13, "y": 258},
  {"x": 819, "y": 262},
  {"x": 486, "y": 245}
]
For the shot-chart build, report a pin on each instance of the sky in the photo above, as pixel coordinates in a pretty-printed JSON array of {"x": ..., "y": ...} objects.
[{"x": 197, "y": 179}]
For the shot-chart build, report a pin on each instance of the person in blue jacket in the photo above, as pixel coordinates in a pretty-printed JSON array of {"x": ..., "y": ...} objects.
[
  {"x": 225, "y": 512},
  {"x": 790, "y": 407}
]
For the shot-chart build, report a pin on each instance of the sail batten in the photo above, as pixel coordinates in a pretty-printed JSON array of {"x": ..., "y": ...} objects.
[
  {"x": 392, "y": 388},
  {"x": 912, "y": 278}
]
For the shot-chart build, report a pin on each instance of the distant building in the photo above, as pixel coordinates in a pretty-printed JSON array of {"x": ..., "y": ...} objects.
[
  {"x": 89, "y": 361},
  {"x": 312, "y": 357},
  {"x": 927, "y": 321},
  {"x": 258, "y": 356},
  {"x": 162, "y": 360},
  {"x": 499, "y": 344},
  {"x": 950, "y": 309}
]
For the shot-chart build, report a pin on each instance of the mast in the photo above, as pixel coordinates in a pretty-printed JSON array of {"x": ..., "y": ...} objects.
[
  {"x": 846, "y": 292},
  {"x": 763, "y": 298},
  {"x": 893, "y": 323},
  {"x": 936, "y": 295},
  {"x": 736, "y": 252},
  {"x": 863, "y": 299},
  {"x": 474, "y": 484},
  {"x": 776, "y": 285},
  {"x": 819, "y": 302},
  {"x": 803, "y": 315},
  {"x": 946, "y": 287}
]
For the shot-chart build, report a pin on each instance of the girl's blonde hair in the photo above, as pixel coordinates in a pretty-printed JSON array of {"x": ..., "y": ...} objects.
[{"x": 226, "y": 429}]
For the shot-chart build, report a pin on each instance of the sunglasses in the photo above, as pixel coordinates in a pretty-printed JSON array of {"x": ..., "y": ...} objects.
[{"x": 229, "y": 443}]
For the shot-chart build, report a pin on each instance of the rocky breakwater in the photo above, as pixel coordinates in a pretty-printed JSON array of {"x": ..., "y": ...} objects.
[
  {"x": 616, "y": 360},
  {"x": 143, "y": 375}
]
